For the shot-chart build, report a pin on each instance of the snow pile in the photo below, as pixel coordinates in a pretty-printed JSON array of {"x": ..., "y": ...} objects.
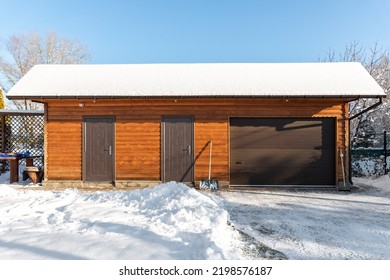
[
  {"x": 369, "y": 167},
  {"x": 170, "y": 221},
  {"x": 380, "y": 186}
]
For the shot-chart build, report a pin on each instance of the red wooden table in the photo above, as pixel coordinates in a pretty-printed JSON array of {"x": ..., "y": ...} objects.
[{"x": 14, "y": 166}]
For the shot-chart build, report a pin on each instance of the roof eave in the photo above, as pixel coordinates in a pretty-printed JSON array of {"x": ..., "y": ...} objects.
[{"x": 43, "y": 97}]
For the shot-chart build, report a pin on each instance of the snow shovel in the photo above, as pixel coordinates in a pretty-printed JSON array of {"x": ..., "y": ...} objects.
[{"x": 209, "y": 184}]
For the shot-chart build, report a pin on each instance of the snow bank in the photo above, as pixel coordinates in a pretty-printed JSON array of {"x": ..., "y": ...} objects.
[
  {"x": 170, "y": 221},
  {"x": 378, "y": 185}
]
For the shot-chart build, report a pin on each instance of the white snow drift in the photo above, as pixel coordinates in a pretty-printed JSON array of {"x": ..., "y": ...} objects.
[{"x": 170, "y": 221}]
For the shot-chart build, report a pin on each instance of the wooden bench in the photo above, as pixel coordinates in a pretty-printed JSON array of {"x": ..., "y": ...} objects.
[{"x": 14, "y": 166}]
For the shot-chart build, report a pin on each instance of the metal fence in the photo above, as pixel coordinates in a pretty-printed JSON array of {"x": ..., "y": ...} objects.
[
  {"x": 370, "y": 156},
  {"x": 22, "y": 131}
]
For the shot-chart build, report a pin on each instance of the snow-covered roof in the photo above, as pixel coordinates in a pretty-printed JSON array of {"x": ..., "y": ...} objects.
[
  {"x": 197, "y": 80},
  {"x": 20, "y": 112}
]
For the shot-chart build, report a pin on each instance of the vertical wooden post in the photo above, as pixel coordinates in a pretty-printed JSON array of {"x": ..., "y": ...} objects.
[
  {"x": 29, "y": 161},
  {"x": 14, "y": 171},
  {"x": 45, "y": 149},
  {"x": 3, "y": 141}
]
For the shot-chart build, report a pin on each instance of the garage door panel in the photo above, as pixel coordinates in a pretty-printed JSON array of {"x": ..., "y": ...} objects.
[
  {"x": 282, "y": 151},
  {"x": 302, "y": 136},
  {"x": 289, "y": 158},
  {"x": 284, "y": 177},
  {"x": 280, "y": 143}
]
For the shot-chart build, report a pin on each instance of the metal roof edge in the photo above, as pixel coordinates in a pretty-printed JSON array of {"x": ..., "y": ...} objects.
[
  {"x": 41, "y": 97},
  {"x": 20, "y": 112}
]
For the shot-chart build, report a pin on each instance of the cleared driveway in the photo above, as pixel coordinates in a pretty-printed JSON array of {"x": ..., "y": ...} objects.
[{"x": 316, "y": 224}]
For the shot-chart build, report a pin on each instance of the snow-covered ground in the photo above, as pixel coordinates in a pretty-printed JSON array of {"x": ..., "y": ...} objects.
[
  {"x": 321, "y": 225},
  {"x": 172, "y": 221}
]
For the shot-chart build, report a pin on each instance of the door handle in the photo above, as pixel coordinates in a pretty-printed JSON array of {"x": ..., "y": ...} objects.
[
  {"x": 239, "y": 162},
  {"x": 188, "y": 150},
  {"x": 109, "y": 149}
]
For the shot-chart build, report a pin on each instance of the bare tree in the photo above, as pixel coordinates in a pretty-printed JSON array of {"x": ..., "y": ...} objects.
[
  {"x": 376, "y": 60},
  {"x": 21, "y": 52}
]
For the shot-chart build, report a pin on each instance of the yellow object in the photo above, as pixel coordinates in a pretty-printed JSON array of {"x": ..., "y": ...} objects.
[{"x": 1, "y": 99}]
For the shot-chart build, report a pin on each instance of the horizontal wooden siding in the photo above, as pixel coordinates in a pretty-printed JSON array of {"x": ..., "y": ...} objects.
[{"x": 138, "y": 131}]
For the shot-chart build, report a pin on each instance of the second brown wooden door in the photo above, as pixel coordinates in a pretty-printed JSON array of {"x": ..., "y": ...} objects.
[
  {"x": 177, "y": 149},
  {"x": 98, "y": 149}
]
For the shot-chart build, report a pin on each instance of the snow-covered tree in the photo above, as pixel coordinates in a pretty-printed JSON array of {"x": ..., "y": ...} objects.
[
  {"x": 21, "y": 52},
  {"x": 376, "y": 60}
]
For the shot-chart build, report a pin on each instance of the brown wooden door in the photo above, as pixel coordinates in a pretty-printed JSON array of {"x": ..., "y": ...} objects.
[
  {"x": 98, "y": 149},
  {"x": 282, "y": 151},
  {"x": 177, "y": 149}
]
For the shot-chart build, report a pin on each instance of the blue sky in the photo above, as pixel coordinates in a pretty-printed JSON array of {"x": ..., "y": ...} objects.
[{"x": 173, "y": 31}]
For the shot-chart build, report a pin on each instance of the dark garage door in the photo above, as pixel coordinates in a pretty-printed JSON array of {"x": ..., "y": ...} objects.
[{"x": 280, "y": 151}]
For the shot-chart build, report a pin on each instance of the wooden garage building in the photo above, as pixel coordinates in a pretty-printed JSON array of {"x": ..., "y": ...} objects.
[{"x": 270, "y": 124}]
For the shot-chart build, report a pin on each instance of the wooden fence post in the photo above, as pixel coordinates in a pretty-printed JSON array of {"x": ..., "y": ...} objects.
[{"x": 3, "y": 143}]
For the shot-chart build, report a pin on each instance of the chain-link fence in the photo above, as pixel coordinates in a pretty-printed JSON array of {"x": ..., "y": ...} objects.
[
  {"x": 22, "y": 131},
  {"x": 370, "y": 155}
]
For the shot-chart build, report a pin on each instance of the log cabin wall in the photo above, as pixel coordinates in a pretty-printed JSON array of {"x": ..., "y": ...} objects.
[{"x": 138, "y": 131}]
